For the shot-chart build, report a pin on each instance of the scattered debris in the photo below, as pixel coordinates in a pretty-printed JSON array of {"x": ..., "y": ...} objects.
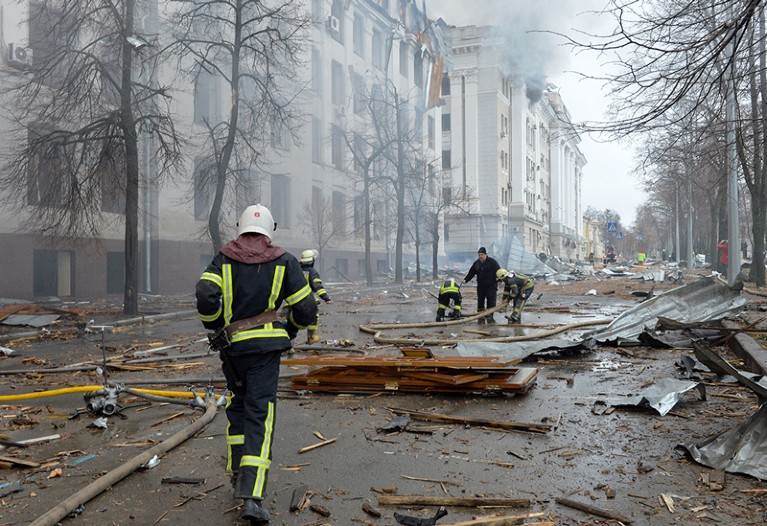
[
  {"x": 662, "y": 396},
  {"x": 182, "y": 480},
  {"x": 370, "y": 510},
  {"x": 315, "y": 446},
  {"x": 448, "y": 374},
  {"x": 416, "y": 521},
  {"x": 739, "y": 450},
  {"x": 593, "y": 510},
  {"x": 481, "y": 422},
  {"x": 705, "y": 299},
  {"x": 470, "y": 502},
  {"x": 300, "y": 499}
]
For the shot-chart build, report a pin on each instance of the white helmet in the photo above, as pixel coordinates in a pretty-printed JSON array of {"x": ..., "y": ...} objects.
[
  {"x": 307, "y": 256},
  {"x": 258, "y": 219}
]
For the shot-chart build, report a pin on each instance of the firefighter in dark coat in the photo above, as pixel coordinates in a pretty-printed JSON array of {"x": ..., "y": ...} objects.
[
  {"x": 318, "y": 288},
  {"x": 238, "y": 296},
  {"x": 484, "y": 268},
  {"x": 517, "y": 288},
  {"x": 449, "y": 291}
]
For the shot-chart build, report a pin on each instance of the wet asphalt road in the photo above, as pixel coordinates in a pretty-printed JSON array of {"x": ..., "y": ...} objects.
[{"x": 623, "y": 461}]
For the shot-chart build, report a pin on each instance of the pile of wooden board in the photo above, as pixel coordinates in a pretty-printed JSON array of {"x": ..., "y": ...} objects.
[{"x": 412, "y": 373}]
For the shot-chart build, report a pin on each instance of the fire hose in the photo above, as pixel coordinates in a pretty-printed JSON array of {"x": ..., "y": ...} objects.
[{"x": 64, "y": 508}]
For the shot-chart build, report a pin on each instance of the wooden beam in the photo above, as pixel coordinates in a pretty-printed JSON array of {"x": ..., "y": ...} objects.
[{"x": 427, "y": 500}]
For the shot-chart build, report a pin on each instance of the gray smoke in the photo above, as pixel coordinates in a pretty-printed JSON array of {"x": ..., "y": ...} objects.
[{"x": 531, "y": 49}]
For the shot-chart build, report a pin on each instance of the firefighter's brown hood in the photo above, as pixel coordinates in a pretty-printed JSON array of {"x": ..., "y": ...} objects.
[{"x": 252, "y": 248}]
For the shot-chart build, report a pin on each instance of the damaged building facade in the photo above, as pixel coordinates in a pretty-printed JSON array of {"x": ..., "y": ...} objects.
[
  {"x": 525, "y": 181},
  {"x": 512, "y": 152}
]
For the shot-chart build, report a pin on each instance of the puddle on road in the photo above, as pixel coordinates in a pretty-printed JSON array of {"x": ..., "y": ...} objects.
[{"x": 610, "y": 365}]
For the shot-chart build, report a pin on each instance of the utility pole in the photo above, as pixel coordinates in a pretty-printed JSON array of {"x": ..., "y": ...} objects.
[{"x": 733, "y": 218}]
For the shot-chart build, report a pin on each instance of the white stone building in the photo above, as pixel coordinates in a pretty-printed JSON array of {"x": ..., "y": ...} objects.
[
  {"x": 356, "y": 47},
  {"x": 513, "y": 153}
]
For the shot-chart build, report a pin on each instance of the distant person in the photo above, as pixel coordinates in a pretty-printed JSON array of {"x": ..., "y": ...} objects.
[
  {"x": 591, "y": 258},
  {"x": 449, "y": 297},
  {"x": 484, "y": 268},
  {"x": 517, "y": 288},
  {"x": 641, "y": 257},
  {"x": 314, "y": 281},
  {"x": 610, "y": 259},
  {"x": 724, "y": 256}
]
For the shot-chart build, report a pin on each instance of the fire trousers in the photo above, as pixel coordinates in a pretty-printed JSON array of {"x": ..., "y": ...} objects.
[{"x": 250, "y": 414}]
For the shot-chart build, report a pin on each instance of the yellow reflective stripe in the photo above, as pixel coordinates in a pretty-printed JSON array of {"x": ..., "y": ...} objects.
[
  {"x": 211, "y": 317},
  {"x": 255, "y": 462},
  {"x": 226, "y": 272},
  {"x": 235, "y": 440},
  {"x": 279, "y": 275},
  {"x": 298, "y": 296},
  {"x": 293, "y": 321},
  {"x": 262, "y": 461},
  {"x": 210, "y": 276},
  {"x": 266, "y": 447},
  {"x": 320, "y": 292},
  {"x": 267, "y": 331},
  {"x": 442, "y": 306},
  {"x": 229, "y": 466}
]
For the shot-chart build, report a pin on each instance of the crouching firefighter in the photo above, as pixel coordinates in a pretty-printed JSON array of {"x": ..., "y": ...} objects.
[
  {"x": 238, "y": 297},
  {"x": 449, "y": 292},
  {"x": 517, "y": 288},
  {"x": 318, "y": 289}
]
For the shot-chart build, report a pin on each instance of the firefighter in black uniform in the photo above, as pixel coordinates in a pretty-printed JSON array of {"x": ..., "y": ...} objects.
[
  {"x": 517, "y": 288},
  {"x": 449, "y": 291},
  {"x": 484, "y": 268},
  {"x": 318, "y": 288},
  {"x": 238, "y": 295}
]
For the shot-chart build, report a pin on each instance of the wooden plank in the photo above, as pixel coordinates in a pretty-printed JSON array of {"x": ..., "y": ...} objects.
[
  {"x": 18, "y": 461},
  {"x": 599, "y": 512},
  {"x": 514, "y": 379},
  {"x": 446, "y": 378},
  {"x": 502, "y": 424},
  {"x": 462, "y": 362},
  {"x": 428, "y": 500},
  {"x": 403, "y": 384}
]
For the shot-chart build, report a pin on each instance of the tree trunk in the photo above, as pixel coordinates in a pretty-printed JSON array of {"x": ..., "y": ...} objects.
[
  {"x": 758, "y": 213},
  {"x": 435, "y": 247},
  {"x": 130, "y": 293},
  {"x": 368, "y": 222},
  {"x": 400, "y": 195},
  {"x": 222, "y": 162}
]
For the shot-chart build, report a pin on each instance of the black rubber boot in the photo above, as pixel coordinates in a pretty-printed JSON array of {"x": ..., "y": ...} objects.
[{"x": 253, "y": 512}]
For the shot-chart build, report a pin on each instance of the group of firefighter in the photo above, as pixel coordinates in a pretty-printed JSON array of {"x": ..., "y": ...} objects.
[
  {"x": 517, "y": 288},
  {"x": 238, "y": 298}
]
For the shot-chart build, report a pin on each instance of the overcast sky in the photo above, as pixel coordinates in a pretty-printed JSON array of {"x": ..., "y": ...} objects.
[{"x": 607, "y": 179}]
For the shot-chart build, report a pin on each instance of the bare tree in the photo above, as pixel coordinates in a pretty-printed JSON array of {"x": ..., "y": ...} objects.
[
  {"x": 673, "y": 59},
  {"x": 256, "y": 49},
  {"x": 318, "y": 218},
  {"x": 85, "y": 101}
]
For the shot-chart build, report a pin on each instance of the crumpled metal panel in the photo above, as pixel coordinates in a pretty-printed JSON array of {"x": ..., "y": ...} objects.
[
  {"x": 661, "y": 396},
  {"x": 515, "y": 350},
  {"x": 705, "y": 299},
  {"x": 31, "y": 320},
  {"x": 742, "y": 449}
]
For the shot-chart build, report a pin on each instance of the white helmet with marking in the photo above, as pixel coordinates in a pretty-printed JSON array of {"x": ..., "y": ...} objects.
[{"x": 257, "y": 219}]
